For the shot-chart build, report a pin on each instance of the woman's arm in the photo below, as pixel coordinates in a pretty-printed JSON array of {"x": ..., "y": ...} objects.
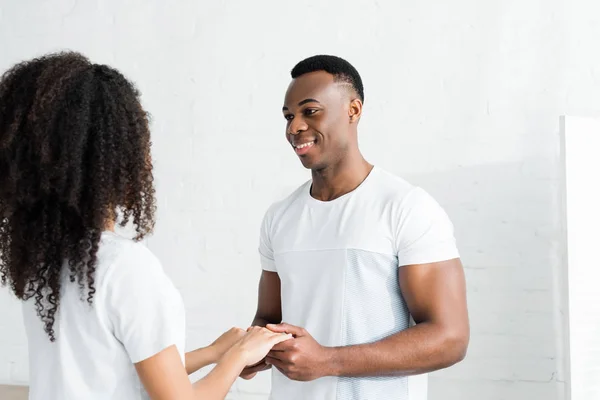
[
  {"x": 165, "y": 378},
  {"x": 200, "y": 358}
]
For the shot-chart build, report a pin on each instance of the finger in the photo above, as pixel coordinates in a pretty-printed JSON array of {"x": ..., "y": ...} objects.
[
  {"x": 277, "y": 356},
  {"x": 256, "y": 328},
  {"x": 255, "y": 364},
  {"x": 248, "y": 377},
  {"x": 280, "y": 365},
  {"x": 278, "y": 338},
  {"x": 259, "y": 331},
  {"x": 256, "y": 368},
  {"x": 286, "y": 328},
  {"x": 286, "y": 345}
]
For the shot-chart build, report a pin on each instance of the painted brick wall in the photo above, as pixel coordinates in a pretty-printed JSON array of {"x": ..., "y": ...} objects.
[{"x": 462, "y": 98}]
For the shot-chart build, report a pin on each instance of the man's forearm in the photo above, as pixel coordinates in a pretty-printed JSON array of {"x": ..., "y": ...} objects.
[
  {"x": 262, "y": 321},
  {"x": 420, "y": 349}
]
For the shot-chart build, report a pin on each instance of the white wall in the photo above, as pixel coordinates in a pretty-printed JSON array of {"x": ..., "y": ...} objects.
[
  {"x": 462, "y": 97},
  {"x": 581, "y": 141}
]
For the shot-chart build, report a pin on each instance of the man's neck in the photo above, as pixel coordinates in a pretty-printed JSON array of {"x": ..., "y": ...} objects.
[{"x": 335, "y": 181}]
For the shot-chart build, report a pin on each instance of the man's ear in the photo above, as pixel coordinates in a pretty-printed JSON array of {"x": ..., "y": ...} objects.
[{"x": 355, "y": 110}]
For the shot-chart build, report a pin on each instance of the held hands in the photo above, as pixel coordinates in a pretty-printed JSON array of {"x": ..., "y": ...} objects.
[
  {"x": 256, "y": 343},
  {"x": 291, "y": 349},
  {"x": 254, "y": 340},
  {"x": 300, "y": 359},
  {"x": 251, "y": 370}
]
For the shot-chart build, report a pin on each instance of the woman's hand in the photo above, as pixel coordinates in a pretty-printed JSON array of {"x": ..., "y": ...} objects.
[
  {"x": 220, "y": 346},
  {"x": 256, "y": 343}
]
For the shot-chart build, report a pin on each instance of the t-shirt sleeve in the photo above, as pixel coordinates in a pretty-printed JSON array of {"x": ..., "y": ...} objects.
[
  {"x": 424, "y": 233},
  {"x": 144, "y": 307},
  {"x": 265, "y": 249}
]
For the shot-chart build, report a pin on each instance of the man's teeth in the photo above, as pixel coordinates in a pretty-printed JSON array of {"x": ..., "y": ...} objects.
[{"x": 303, "y": 145}]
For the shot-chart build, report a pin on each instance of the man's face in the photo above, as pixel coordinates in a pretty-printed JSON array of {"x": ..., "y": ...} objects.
[{"x": 317, "y": 111}]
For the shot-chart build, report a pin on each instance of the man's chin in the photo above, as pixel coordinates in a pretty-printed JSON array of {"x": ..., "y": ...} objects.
[
  {"x": 307, "y": 163},
  {"x": 312, "y": 164}
]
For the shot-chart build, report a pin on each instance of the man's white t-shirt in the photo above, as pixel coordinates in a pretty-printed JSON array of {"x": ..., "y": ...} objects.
[
  {"x": 136, "y": 313},
  {"x": 338, "y": 265}
]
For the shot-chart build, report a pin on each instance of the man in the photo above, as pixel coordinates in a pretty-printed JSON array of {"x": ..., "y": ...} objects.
[{"x": 350, "y": 257}]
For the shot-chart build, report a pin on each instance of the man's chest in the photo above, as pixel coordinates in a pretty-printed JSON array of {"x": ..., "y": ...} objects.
[{"x": 305, "y": 232}]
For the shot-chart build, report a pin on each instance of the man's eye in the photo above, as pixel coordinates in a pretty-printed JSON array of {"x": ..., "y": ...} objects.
[
  {"x": 309, "y": 111},
  {"x": 288, "y": 117}
]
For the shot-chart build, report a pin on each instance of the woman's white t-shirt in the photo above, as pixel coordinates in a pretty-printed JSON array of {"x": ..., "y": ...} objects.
[{"x": 136, "y": 313}]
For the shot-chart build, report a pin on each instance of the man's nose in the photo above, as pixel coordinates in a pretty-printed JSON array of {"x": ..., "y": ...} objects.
[{"x": 297, "y": 126}]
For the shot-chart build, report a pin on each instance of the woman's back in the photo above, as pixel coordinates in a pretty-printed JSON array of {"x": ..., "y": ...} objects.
[
  {"x": 101, "y": 316},
  {"x": 96, "y": 345}
]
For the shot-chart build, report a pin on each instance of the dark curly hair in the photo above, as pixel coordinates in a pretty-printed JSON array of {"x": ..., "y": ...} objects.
[
  {"x": 74, "y": 149},
  {"x": 341, "y": 69}
]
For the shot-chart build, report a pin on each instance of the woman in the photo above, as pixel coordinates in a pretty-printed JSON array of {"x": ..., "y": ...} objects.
[{"x": 103, "y": 320}]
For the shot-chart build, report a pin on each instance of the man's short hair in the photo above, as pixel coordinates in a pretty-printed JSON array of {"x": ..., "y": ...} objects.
[{"x": 341, "y": 70}]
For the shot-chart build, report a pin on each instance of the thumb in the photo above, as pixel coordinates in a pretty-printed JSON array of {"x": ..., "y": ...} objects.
[{"x": 286, "y": 328}]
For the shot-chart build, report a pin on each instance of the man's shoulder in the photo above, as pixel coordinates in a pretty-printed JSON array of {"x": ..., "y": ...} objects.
[
  {"x": 391, "y": 187},
  {"x": 292, "y": 199},
  {"x": 403, "y": 194}
]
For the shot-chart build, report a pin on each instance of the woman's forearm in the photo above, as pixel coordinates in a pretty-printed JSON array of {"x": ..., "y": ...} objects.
[
  {"x": 200, "y": 358},
  {"x": 216, "y": 384}
]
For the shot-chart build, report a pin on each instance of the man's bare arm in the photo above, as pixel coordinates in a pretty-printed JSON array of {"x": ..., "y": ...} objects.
[
  {"x": 269, "y": 300},
  {"x": 268, "y": 312},
  {"x": 436, "y": 297}
]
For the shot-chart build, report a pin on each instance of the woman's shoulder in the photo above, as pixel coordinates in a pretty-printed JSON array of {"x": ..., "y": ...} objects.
[{"x": 119, "y": 256}]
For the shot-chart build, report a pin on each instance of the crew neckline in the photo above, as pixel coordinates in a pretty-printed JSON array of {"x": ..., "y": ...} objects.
[{"x": 343, "y": 197}]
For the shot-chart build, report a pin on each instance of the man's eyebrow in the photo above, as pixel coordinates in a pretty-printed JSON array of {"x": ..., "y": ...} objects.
[{"x": 303, "y": 102}]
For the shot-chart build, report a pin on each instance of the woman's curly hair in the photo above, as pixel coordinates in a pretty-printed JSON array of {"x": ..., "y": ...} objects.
[{"x": 74, "y": 149}]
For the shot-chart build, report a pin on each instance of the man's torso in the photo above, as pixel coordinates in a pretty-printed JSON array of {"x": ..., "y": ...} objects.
[{"x": 339, "y": 280}]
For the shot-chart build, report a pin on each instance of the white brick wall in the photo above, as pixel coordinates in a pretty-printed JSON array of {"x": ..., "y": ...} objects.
[{"x": 462, "y": 97}]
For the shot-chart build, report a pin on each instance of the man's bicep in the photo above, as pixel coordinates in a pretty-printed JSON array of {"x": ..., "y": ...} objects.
[
  {"x": 424, "y": 232},
  {"x": 269, "y": 298},
  {"x": 436, "y": 292}
]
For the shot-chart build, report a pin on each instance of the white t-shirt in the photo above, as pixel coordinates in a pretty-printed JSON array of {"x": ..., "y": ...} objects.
[
  {"x": 338, "y": 265},
  {"x": 136, "y": 313}
]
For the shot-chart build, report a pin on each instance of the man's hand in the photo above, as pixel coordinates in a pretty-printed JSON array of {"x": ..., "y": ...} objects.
[
  {"x": 269, "y": 310},
  {"x": 301, "y": 358},
  {"x": 250, "y": 371}
]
